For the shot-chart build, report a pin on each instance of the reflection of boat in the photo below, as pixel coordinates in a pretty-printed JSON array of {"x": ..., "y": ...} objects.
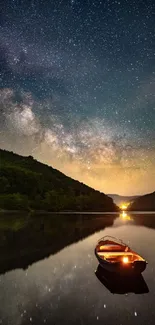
[
  {"x": 116, "y": 256},
  {"x": 119, "y": 284}
]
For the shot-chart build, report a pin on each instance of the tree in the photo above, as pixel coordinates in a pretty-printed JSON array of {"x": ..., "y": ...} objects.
[{"x": 4, "y": 184}]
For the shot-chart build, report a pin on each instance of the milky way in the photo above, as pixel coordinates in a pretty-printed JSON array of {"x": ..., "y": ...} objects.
[{"x": 77, "y": 84}]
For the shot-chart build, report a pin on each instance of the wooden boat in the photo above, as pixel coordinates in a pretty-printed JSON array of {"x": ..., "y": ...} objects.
[{"x": 115, "y": 256}]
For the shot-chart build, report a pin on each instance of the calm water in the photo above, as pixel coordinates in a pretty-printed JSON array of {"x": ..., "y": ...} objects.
[{"x": 48, "y": 268}]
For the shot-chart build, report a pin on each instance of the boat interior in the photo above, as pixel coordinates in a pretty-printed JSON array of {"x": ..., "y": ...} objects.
[
  {"x": 112, "y": 247},
  {"x": 124, "y": 257},
  {"x": 116, "y": 252}
]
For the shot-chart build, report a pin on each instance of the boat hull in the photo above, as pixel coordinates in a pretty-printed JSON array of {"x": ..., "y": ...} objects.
[{"x": 136, "y": 267}]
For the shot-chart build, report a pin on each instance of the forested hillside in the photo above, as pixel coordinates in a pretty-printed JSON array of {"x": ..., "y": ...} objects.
[{"x": 27, "y": 184}]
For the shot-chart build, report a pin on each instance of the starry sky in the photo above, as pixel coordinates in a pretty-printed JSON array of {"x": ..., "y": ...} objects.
[{"x": 77, "y": 85}]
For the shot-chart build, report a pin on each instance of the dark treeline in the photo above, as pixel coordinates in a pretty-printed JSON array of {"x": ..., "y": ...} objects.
[{"x": 26, "y": 184}]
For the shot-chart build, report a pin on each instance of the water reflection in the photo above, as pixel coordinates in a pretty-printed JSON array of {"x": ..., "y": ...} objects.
[
  {"x": 122, "y": 284},
  {"x": 136, "y": 219},
  {"x": 125, "y": 216},
  {"x": 26, "y": 240},
  {"x": 63, "y": 288}
]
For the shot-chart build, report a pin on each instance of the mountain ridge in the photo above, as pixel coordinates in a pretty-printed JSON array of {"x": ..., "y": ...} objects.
[
  {"x": 119, "y": 199},
  {"x": 144, "y": 203}
]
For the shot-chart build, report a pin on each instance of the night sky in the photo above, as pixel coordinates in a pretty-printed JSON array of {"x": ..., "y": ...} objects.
[{"x": 77, "y": 89}]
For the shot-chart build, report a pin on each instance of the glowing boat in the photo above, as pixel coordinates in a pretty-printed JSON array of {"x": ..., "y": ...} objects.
[{"x": 115, "y": 256}]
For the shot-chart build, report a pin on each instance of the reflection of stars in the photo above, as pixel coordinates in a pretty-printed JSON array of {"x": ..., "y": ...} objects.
[{"x": 25, "y": 50}]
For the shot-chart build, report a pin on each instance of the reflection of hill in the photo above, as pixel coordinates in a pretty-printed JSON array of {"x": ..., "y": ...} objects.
[
  {"x": 146, "y": 220},
  {"x": 128, "y": 218},
  {"x": 39, "y": 237}
]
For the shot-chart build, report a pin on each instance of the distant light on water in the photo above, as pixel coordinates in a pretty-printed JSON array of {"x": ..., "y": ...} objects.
[{"x": 125, "y": 216}]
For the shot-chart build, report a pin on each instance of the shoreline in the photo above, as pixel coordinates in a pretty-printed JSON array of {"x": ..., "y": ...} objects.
[{"x": 37, "y": 212}]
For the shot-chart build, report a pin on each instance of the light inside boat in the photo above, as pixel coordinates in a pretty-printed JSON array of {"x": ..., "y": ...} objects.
[{"x": 125, "y": 260}]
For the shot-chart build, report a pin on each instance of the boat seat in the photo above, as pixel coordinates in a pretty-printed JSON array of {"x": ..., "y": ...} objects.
[
  {"x": 115, "y": 254},
  {"x": 111, "y": 248}
]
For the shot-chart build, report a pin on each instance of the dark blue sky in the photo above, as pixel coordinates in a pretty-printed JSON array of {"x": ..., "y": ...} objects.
[{"x": 77, "y": 83}]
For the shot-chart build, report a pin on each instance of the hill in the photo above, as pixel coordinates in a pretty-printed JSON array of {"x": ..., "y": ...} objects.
[
  {"x": 28, "y": 184},
  {"x": 144, "y": 203},
  {"x": 119, "y": 199}
]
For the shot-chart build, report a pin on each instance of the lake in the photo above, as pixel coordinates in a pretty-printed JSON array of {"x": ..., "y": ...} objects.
[{"x": 47, "y": 270}]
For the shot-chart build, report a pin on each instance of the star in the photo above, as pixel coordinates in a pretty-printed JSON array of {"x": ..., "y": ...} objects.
[{"x": 77, "y": 88}]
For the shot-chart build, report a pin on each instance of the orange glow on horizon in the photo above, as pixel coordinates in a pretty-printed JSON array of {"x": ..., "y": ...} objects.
[{"x": 124, "y": 206}]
